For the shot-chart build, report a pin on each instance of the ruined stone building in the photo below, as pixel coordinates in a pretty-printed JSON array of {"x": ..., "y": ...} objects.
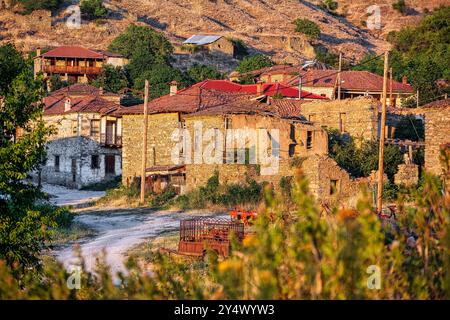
[
  {"x": 75, "y": 64},
  {"x": 86, "y": 147},
  {"x": 214, "y": 44},
  {"x": 220, "y": 113}
]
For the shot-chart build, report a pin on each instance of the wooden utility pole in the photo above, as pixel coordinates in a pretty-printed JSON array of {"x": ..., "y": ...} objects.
[
  {"x": 144, "y": 144},
  {"x": 300, "y": 83},
  {"x": 339, "y": 76},
  {"x": 390, "y": 87},
  {"x": 417, "y": 105},
  {"x": 382, "y": 134}
]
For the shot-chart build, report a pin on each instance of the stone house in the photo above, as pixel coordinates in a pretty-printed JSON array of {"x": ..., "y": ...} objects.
[
  {"x": 277, "y": 73},
  {"x": 75, "y": 64},
  {"x": 86, "y": 147},
  {"x": 214, "y": 44},
  {"x": 357, "y": 117},
  {"x": 353, "y": 84},
  {"x": 221, "y": 112}
]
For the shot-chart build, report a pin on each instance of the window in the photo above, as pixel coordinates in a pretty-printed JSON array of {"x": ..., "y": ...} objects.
[
  {"x": 309, "y": 140},
  {"x": 291, "y": 150},
  {"x": 56, "y": 163},
  {"x": 334, "y": 187},
  {"x": 342, "y": 121},
  {"x": 292, "y": 132},
  {"x": 95, "y": 161},
  {"x": 95, "y": 128},
  {"x": 75, "y": 127}
]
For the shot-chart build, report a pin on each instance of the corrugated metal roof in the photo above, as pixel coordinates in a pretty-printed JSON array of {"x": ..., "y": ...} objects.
[{"x": 201, "y": 40}]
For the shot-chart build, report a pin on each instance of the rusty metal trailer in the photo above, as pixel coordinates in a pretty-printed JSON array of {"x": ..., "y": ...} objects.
[{"x": 201, "y": 234}]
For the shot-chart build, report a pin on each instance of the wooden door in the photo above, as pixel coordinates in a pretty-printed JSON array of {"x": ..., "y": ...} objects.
[{"x": 110, "y": 164}]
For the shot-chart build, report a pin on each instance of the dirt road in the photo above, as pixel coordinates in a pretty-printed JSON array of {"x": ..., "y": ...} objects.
[{"x": 120, "y": 230}]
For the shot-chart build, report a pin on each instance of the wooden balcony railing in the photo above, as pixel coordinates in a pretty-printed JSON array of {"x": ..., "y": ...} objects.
[
  {"x": 72, "y": 69},
  {"x": 111, "y": 140}
]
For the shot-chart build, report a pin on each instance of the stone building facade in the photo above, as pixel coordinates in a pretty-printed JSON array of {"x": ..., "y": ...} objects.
[
  {"x": 86, "y": 146},
  {"x": 437, "y": 133},
  {"x": 357, "y": 117}
]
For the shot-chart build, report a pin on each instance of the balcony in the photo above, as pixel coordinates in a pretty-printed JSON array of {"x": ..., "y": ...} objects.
[
  {"x": 111, "y": 140},
  {"x": 72, "y": 69}
]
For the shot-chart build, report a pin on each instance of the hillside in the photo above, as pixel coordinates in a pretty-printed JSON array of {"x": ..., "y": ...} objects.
[{"x": 264, "y": 25}]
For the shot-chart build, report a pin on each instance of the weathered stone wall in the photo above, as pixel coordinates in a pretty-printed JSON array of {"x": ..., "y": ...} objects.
[
  {"x": 159, "y": 143},
  {"x": 322, "y": 91},
  {"x": 222, "y": 46},
  {"x": 321, "y": 171},
  {"x": 359, "y": 117},
  {"x": 437, "y": 133},
  {"x": 407, "y": 175}
]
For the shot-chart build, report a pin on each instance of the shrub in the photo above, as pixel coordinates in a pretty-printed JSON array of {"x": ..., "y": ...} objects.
[
  {"x": 307, "y": 27},
  {"x": 400, "y": 6},
  {"x": 32, "y": 5},
  {"x": 112, "y": 79},
  {"x": 164, "y": 198},
  {"x": 254, "y": 62},
  {"x": 200, "y": 72},
  {"x": 93, "y": 9}
]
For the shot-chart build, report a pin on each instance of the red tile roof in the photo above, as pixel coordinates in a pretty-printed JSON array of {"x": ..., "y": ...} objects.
[
  {"x": 276, "y": 69},
  {"x": 219, "y": 96},
  {"x": 84, "y": 98},
  {"x": 268, "y": 89},
  {"x": 351, "y": 80},
  {"x": 73, "y": 52}
]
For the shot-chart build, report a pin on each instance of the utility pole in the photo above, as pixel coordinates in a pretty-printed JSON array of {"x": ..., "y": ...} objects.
[
  {"x": 390, "y": 87},
  {"x": 300, "y": 84},
  {"x": 417, "y": 105},
  {"x": 144, "y": 144},
  {"x": 339, "y": 76},
  {"x": 382, "y": 133}
]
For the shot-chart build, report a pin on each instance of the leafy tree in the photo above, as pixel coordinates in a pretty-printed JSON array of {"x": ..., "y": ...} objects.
[
  {"x": 93, "y": 9},
  {"x": 56, "y": 82},
  {"x": 254, "y": 62},
  {"x": 400, "y": 6},
  {"x": 307, "y": 27},
  {"x": 32, "y": 5},
  {"x": 200, "y": 72},
  {"x": 360, "y": 161},
  {"x": 22, "y": 150},
  {"x": 421, "y": 53},
  {"x": 159, "y": 77},
  {"x": 112, "y": 79},
  {"x": 149, "y": 53}
]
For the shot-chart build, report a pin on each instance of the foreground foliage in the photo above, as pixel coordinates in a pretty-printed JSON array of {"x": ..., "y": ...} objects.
[{"x": 294, "y": 254}]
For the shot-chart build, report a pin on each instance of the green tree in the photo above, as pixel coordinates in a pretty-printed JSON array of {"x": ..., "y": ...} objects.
[
  {"x": 112, "y": 79},
  {"x": 31, "y": 5},
  {"x": 159, "y": 77},
  {"x": 400, "y": 6},
  {"x": 199, "y": 72},
  {"x": 93, "y": 9},
  {"x": 421, "y": 53},
  {"x": 149, "y": 53},
  {"x": 22, "y": 226},
  {"x": 307, "y": 27}
]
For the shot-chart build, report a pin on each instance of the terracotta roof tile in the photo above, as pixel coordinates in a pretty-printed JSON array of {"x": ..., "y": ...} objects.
[{"x": 73, "y": 52}]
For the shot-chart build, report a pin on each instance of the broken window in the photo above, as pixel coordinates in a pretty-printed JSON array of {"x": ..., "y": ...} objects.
[
  {"x": 95, "y": 128},
  {"x": 291, "y": 150},
  {"x": 334, "y": 187},
  {"x": 309, "y": 140},
  {"x": 75, "y": 127},
  {"x": 56, "y": 163},
  {"x": 95, "y": 161}
]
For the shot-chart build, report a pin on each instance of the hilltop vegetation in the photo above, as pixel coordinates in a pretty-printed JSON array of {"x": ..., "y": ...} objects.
[{"x": 420, "y": 53}]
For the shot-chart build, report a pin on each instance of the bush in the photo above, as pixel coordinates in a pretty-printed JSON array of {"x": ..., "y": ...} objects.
[
  {"x": 93, "y": 9},
  {"x": 32, "y": 5},
  {"x": 400, "y": 6},
  {"x": 307, "y": 27},
  {"x": 164, "y": 198},
  {"x": 254, "y": 62},
  {"x": 240, "y": 49},
  {"x": 112, "y": 79}
]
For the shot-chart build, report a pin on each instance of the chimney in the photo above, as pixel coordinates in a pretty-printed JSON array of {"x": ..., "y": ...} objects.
[
  {"x": 67, "y": 104},
  {"x": 38, "y": 51},
  {"x": 259, "y": 88},
  {"x": 405, "y": 80},
  {"x": 173, "y": 88}
]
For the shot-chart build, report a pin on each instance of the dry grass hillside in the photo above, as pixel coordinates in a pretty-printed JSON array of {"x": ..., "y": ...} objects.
[{"x": 264, "y": 25}]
